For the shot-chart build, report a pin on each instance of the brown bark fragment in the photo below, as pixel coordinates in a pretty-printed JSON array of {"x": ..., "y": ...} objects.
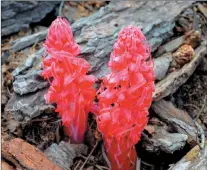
[{"x": 26, "y": 155}]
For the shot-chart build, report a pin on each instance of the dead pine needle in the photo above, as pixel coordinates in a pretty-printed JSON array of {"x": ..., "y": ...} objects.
[{"x": 89, "y": 155}]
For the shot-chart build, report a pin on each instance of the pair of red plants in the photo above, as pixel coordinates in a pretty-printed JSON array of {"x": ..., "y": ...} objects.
[{"x": 124, "y": 97}]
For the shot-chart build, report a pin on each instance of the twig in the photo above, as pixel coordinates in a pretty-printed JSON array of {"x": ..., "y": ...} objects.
[
  {"x": 43, "y": 119},
  {"x": 60, "y": 8},
  {"x": 138, "y": 164},
  {"x": 89, "y": 156},
  {"x": 79, "y": 162},
  {"x": 105, "y": 157},
  {"x": 101, "y": 167}
]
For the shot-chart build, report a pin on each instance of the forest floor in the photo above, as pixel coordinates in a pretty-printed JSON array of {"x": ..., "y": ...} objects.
[{"x": 46, "y": 129}]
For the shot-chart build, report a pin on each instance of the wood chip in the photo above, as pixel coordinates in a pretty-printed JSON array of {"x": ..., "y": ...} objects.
[{"x": 26, "y": 155}]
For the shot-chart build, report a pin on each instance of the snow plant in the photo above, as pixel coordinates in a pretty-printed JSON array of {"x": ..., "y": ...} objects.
[
  {"x": 125, "y": 97},
  {"x": 70, "y": 88}
]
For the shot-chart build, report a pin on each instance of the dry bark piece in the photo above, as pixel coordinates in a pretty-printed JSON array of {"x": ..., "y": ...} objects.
[
  {"x": 29, "y": 106},
  {"x": 18, "y": 15},
  {"x": 27, "y": 41},
  {"x": 161, "y": 65},
  {"x": 64, "y": 153},
  {"x": 30, "y": 82},
  {"x": 162, "y": 140},
  {"x": 26, "y": 155},
  {"x": 33, "y": 60},
  {"x": 97, "y": 33},
  {"x": 175, "y": 79},
  {"x": 194, "y": 159},
  {"x": 178, "y": 119}
]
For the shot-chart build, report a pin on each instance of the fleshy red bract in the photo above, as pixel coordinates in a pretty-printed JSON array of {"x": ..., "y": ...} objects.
[
  {"x": 70, "y": 88},
  {"x": 125, "y": 97}
]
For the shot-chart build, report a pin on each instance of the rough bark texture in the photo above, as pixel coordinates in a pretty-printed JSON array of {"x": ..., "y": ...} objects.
[
  {"x": 28, "y": 106},
  {"x": 27, "y": 41},
  {"x": 193, "y": 160},
  {"x": 17, "y": 15},
  {"x": 178, "y": 119},
  {"x": 97, "y": 33},
  {"x": 64, "y": 153},
  {"x": 161, "y": 65},
  {"x": 162, "y": 140},
  {"x": 25, "y": 156}
]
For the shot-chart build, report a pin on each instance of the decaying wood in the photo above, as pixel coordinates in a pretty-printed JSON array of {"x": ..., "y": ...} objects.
[
  {"x": 195, "y": 159},
  {"x": 25, "y": 156},
  {"x": 175, "y": 79},
  {"x": 178, "y": 119},
  {"x": 33, "y": 60},
  {"x": 97, "y": 33},
  {"x": 27, "y": 41},
  {"x": 161, "y": 65},
  {"x": 64, "y": 153},
  {"x": 31, "y": 82},
  {"x": 28, "y": 107},
  {"x": 162, "y": 140},
  {"x": 17, "y": 15}
]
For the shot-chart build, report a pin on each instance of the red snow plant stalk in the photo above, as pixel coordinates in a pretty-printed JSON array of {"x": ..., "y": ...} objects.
[
  {"x": 70, "y": 88},
  {"x": 125, "y": 97}
]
